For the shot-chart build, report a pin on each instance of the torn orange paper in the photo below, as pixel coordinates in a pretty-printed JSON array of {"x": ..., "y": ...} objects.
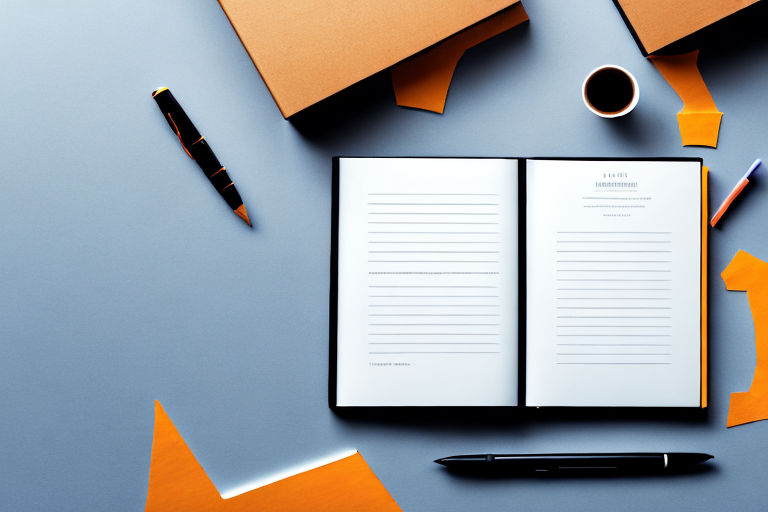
[
  {"x": 423, "y": 80},
  {"x": 177, "y": 482},
  {"x": 699, "y": 120},
  {"x": 750, "y": 274}
]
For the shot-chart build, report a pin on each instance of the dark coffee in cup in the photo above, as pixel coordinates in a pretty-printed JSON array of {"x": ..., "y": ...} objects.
[{"x": 610, "y": 91}]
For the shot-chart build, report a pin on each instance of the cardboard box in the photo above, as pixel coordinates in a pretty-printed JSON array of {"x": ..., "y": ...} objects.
[{"x": 307, "y": 50}]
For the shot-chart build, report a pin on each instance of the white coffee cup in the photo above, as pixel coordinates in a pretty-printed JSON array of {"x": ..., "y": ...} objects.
[{"x": 612, "y": 106}]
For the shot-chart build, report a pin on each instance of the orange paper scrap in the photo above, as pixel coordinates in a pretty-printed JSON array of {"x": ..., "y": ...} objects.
[
  {"x": 700, "y": 120},
  {"x": 750, "y": 274},
  {"x": 177, "y": 482},
  {"x": 423, "y": 81}
]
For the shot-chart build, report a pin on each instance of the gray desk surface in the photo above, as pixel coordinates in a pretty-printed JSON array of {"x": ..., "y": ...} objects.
[{"x": 125, "y": 279}]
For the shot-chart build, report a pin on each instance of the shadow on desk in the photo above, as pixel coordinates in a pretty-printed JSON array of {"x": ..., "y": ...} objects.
[
  {"x": 492, "y": 418},
  {"x": 357, "y": 108},
  {"x": 742, "y": 32},
  {"x": 347, "y": 112},
  {"x": 708, "y": 468}
]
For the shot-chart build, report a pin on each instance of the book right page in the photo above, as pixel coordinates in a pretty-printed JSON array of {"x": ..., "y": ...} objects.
[{"x": 613, "y": 283}]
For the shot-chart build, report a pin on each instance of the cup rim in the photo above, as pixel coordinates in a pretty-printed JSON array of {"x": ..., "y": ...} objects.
[{"x": 626, "y": 110}]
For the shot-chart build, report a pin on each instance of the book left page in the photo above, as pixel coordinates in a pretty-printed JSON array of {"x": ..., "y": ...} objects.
[{"x": 427, "y": 282}]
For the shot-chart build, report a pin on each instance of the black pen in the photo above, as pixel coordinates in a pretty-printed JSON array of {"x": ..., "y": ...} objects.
[
  {"x": 574, "y": 461},
  {"x": 198, "y": 149}
]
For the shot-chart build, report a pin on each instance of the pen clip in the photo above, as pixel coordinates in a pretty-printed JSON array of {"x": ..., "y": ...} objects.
[{"x": 176, "y": 131}]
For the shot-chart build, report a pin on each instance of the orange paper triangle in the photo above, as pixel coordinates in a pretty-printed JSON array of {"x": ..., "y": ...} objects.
[
  {"x": 699, "y": 120},
  {"x": 750, "y": 274},
  {"x": 423, "y": 80},
  {"x": 177, "y": 482}
]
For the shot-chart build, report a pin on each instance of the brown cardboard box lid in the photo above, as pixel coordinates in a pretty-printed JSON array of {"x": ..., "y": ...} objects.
[
  {"x": 658, "y": 23},
  {"x": 307, "y": 50}
]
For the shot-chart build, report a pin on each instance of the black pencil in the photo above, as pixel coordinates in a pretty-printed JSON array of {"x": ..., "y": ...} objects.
[{"x": 198, "y": 149}]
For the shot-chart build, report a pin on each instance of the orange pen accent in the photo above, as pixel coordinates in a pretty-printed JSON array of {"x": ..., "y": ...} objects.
[
  {"x": 178, "y": 134},
  {"x": 728, "y": 200}
]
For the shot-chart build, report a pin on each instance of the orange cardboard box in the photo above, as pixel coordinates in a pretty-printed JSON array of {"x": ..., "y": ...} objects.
[{"x": 310, "y": 49}]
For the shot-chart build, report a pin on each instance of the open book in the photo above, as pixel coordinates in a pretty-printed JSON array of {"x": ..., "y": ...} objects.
[{"x": 504, "y": 282}]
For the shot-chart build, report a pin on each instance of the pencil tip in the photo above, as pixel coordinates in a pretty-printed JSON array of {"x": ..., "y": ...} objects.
[{"x": 243, "y": 214}]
